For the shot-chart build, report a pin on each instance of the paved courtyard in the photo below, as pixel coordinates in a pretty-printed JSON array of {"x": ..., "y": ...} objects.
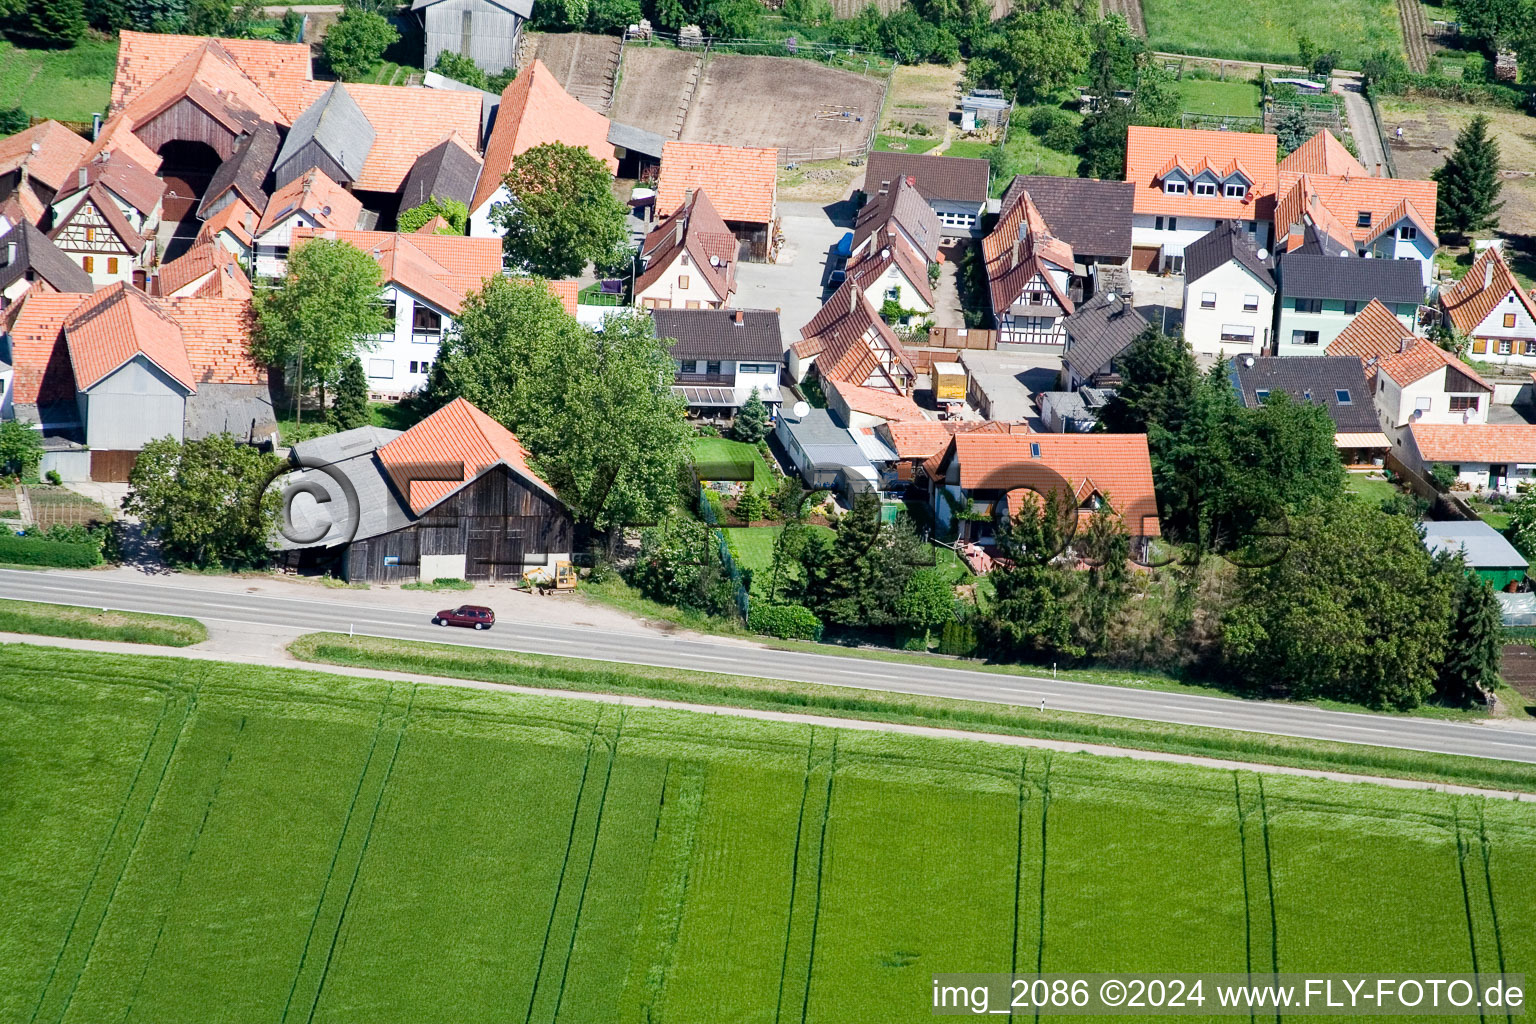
[{"x": 793, "y": 285}]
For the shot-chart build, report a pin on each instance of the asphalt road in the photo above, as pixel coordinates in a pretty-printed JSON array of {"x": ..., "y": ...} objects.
[{"x": 341, "y": 611}]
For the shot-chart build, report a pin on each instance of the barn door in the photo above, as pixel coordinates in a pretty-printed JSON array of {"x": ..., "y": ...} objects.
[
  {"x": 112, "y": 467},
  {"x": 481, "y": 557},
  {"x": 509, "y": 563}
]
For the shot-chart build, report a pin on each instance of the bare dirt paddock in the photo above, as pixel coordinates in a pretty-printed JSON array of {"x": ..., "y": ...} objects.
[
  {"x": 651, "y": 82},
  {"x": 789, "y": 103}
]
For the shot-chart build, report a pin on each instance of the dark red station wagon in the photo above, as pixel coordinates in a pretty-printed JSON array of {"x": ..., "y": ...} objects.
[{"x": 472, "y": 615}]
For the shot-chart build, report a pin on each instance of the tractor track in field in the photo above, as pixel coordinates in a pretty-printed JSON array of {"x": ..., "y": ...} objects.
[
  {"x": 794, "y": 873},
  {"x": 1045, "y": 814},
  {"x": 362, "y": 853},
  {"x": 821, "y": 861},
  {"x": 1493, "y": 907},
  {"x": 1466, "y": 893},
  {"x": 181, "y": 874},
  {"x": 1415, "y": 34},
  {"x": 186, "y": 714},
  {"x": 1269, "y": 877},
  {"x": 1018, "y": 863}
]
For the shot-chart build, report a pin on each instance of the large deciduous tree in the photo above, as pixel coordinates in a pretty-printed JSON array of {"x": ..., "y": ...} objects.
[
  {"x": 1354, "y": 611},
  {"x": 1469, "y": 181},
  {"x": 357, "y": 42},
  {"x": 595, "y": 408},
  {"x": 1033, "y": 52},
  {"x": 563, "y": 213},
  {"x": 208, "y": 501}
]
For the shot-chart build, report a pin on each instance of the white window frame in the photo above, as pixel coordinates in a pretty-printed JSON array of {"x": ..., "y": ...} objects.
[
  {"x": 1207, "y": 300},
  {"x": 1250, "y": 303},
  {"x": 1238, "y": 333},
  {"x": 375, "y": 373},
  {"x": 1235, "y": 190},
  {"x": 1205, "y": 188},
  {"x": 1408, "y": 233},
  {"x": 1175, "y": 188}
]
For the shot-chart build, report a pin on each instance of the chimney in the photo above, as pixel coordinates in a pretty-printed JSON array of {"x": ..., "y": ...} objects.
[
  {"x": 1402, "y": 346},
  {"x": 885, "y": 186},
  {"x": 83, "y": 174},
  {"x": 10, "y": 252},
  {"x": 1378, "y": 171},
  {"x": 1488, "y": 273},
  {"x": 687, "y": 196},
  {"x": 740, "y": 318},
  {"x": 1016, "y": 243},
  {"x": 912, "y": 180}
]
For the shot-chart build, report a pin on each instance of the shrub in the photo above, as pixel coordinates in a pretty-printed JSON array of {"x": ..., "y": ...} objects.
[
  {"x": 54, "y": 478},
  {"x": 459, "y": 68},
  {"x": 357, "y": 41},
  {"x": 785, "y": 621},
  {"x": 1043, "y": 119},
  {"x": 958, "y": 639},
  {"x": 50, "y": 553},
  {"x": 1063, "y": 138}
]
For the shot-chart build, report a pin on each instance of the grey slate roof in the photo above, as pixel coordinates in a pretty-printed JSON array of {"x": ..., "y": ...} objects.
[
  {"x": 1319, "y": 378},
  {"x": 1483, "y": 546},
  {"x": 244, "y": 410},
  {"x": 1348, "y": 277},
  {"x": 636, "y": 140},
  {"x": 905, "y": 206},
  {"x": 714, "y": 334},
  {"x": 1092, "y": 216},
  {"x": 35, "y": 251},
  {"x": 246, "y": 169},
  {"x": 338, "y": 124},
  {"x": 962, "y": 179},
  {"x": 349, "y": 455},
  {"x": 826, "y": 442},
  {"x": 1099, "y": 330},
  {"x": 522, "y": 8},
  {"x": 1227, "y": 241},
  {"x": 446, "y": 171}
]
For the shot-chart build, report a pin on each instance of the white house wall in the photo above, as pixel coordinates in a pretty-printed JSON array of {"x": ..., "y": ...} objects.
[
  {"x": 1425, "y": 401},
  {"x": 480, "y": 223},
  {"x": 1144, "y": 232},
  {"x": 1491, "y": 333},
  {"x": 1231, "y": 282},
  {"x": 677, "y": 286},
  {"x": 398, "y": 364},
  {"x": 272, "y": 244}
]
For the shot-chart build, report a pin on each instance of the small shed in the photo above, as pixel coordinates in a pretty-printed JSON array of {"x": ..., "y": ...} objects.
[
  {"x": 1486, "y": 550},
  {"x": 983, "y": 107},
  {"x": 948, "y": 382}
]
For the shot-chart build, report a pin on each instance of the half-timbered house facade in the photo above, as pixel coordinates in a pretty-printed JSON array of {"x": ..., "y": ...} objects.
[{"x": 95, "y": 235}]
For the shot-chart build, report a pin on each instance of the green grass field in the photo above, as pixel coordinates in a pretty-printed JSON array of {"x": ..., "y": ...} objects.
[
  {"x": 1224, "y": 99},
  {"x": 900, "y": 144},
  {"x": 1369, "y": 488},
  {"x": 719, "y": 458},
  {"x": 1268, "y": 29},
  {"x": 98, "y": 624},
  {"x": 69, "y": 85},
  {"x": 192, "y": 841}
]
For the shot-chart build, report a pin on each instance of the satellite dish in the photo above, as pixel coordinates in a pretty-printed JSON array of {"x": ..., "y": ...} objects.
[
  {"x": 714, "y": 261},
  {"x": 1248, "y": 360},
  {"x": 885, "y": 253},
  {"x": 1345, "y": 254},
  {"x": 801, "y": 410},
  {"x": 1263, "y": 254},
  {"x": 1110, "y": 296}
]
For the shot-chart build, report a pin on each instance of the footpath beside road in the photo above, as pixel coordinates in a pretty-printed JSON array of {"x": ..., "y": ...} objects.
[
  {"x": 269, "y": 648},
  {"x": 1362, "y": 124}
]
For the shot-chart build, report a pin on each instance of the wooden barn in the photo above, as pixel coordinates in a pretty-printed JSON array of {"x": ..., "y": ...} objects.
[
  {"x": 487, "y": 31},
  {"x": 453, "y": 497}
]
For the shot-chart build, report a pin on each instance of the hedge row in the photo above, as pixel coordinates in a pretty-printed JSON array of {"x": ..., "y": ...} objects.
[
  {"x": 785, "y": 621},
  {"x": 56, "y": 555}
]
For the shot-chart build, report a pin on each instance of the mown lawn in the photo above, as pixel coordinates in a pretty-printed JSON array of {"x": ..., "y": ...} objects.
[
  {"x": 1224, "y": 99},
  {"x": 905, "y": 145},
  {"x": 1267, "y": 30},
  {"x": 1371, "y": 489},
  {"x": 43, "y": 619},
  {"x": 720, "y": 458},
  {"x": 69, "y": 85},
  {"x": 220, "y": 843}
]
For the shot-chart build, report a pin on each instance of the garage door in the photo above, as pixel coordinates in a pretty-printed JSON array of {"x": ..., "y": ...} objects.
[
  {"x": 1146, "y": 257},
  {"x": 112, "y": 467}
]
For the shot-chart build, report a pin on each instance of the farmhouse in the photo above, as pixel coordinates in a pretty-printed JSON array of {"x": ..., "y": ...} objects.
[
  {"x": 30, "y": 262},
  {"x": 1320, "y": 295},
  {"x": 118, "y": 369},
  {"x": 1337, "y": 383},
  {"x": 1092, "y": 216},
  {"x": 96, "y": 235},
  {"x": 426, "y": 277},
  {"x": 1188, "y": 179},
  {"x": 723, "y": 356},
  {"x": 1483, "y": 456},
  {"x": 955, "y": 187},
  {"x": 987, "y": 468},
  {"x": 205, "y": 271},
  {"x": 1414, "y": 380},
  {"x": 848, "y": 341},
  {"x": 1229, "y": 293},
  {"x": 898, "y": 210},
  {"x": 742, "y": 183},
  {"x": 313, "y": 201},
  {"x": 1029, "y": 276},
  {"x": 888, "y": 269},
  {"x": 534, "y": 110},
  {"x": 1490, "y": 307},
  {"x": 688, "y": 260},
  {"x": 486, "y": 31},
  {"x": 452, "y": 497}
]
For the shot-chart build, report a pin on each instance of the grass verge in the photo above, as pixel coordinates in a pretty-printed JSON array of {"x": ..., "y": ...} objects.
[
  {"x": 874, "y": 705},
  {"x": 94, "y": 624},
  {"x": 441, "y": 583}
]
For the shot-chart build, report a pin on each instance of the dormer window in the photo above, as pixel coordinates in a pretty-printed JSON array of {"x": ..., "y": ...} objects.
[
  {"x": 1174, "y": 188},
  {"x": 1408, "y": 232},
  {"x": 1236, "y": 190},
  {"x": 1363, "y": 219},
  {"x": 1205, "y": 188},
  {"x": 1262, "y": 396}
]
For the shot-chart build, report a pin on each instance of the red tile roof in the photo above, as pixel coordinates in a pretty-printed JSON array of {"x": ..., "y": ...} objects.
[
  {"x": 39, "y": 356},
  {"x": 536, "y": 109},
  {"x": 317, "y": 195},
  {"x": 1343, "y": 199},
  {"x": 117, "y": 136},
  {"x": 1322, "y": 154},
  {"x": 208, "y": 260},
  {"x": 408, "y": 121},
  {"x": 1469, "y": 301},
  {"x": 873, "y": 402},
  {"x": 1152, "y": 152},
  {"x": 118, "y": 323},
  {"x": 695, "y": 228},
  {"x": 456, "y": 433},
  {"x": 851, "y": 343},
  {"x": 1379, "y": 340},
  {"x": 923, "y": 439},
  {"x": 122, "y": 175},
  {"x": 1116, "y": 466},
  {"x": 237, "y": 218},
  {"x": 210, "y": 77},
  {"x": 565, "y": 291},
  {"x": 1020, "y": 249},
  {"x": 281, "y": 71},
  {"x": 216, "y": 332},
  {"x": 59, "y": 152},
  {"x": 440, "y": 268},
  {"x": 1475, "y": 442},
  {"x": 743, "y": 183}
]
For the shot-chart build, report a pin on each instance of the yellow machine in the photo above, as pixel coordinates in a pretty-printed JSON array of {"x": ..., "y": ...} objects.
[
  {"x": 948, "y": 382},
  {"x": 562, "y": 578}
]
